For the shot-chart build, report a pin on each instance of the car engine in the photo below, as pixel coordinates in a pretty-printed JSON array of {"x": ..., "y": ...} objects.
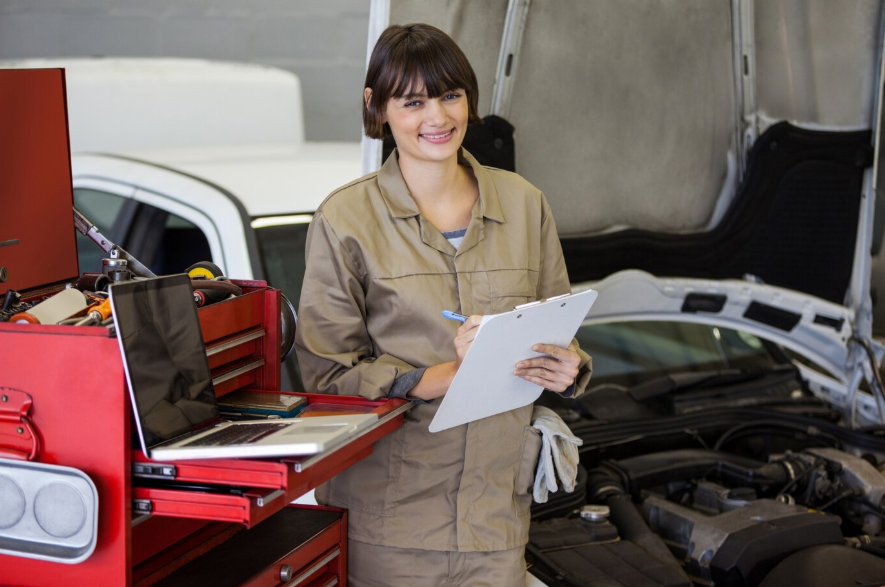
[{"x": 736, "y": 496}]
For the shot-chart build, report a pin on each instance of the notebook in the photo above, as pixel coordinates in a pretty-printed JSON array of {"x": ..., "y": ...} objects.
[{"x": 176, "y": 413}]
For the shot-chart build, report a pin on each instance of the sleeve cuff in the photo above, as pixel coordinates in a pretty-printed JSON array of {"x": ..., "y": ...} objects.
[
  {"x": 570, "y": 390},
  {"x": 403, "y": 384}
]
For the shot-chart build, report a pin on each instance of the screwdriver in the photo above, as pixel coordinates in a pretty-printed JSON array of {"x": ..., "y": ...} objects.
[{"x": 96, "y": 314}]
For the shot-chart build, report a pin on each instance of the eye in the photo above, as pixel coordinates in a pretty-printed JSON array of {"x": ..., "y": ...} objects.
[
  {"x": 412, "y": 103},
  {"x": 452, "y": 96}
]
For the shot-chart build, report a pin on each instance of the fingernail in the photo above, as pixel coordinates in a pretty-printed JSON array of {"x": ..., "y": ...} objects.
[{"x": 537, "y": 347}]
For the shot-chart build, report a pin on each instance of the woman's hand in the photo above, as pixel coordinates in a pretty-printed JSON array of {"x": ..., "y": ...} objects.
[
  {"x": 437, "y": 379},
  {"x": 556, "y": 371},
  {"x": 464, "y": 338}
]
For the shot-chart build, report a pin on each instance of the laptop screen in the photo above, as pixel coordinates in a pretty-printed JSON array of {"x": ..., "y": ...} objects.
[{"x": 164, "y": 357}]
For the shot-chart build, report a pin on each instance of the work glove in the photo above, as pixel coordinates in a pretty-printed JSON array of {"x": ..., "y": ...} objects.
[{"x": 559, "y": 454}]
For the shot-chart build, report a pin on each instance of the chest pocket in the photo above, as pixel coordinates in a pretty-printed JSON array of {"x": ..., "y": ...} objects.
[{"x": 511, "y": 287}]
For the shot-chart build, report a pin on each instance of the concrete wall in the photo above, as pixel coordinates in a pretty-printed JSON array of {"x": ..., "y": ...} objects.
[{"x": 323, "y": 41}]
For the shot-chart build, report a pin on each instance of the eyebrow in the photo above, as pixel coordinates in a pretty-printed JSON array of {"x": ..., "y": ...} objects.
[{"x": 414, "y": 96}]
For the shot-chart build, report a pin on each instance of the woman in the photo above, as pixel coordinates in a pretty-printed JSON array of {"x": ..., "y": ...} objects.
[{"x": 431, "y": 230}]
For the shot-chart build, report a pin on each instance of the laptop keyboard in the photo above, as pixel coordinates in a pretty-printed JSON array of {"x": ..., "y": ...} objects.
[{"x": 229, "y": 435}]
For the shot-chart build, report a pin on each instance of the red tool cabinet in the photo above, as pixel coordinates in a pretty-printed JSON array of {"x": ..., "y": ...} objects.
[
  {"x": 162, "y": 535},
  {"x": 64, "y": 405}
]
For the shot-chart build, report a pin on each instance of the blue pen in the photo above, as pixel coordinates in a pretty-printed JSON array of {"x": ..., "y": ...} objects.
[{"x": 454, "y": 316}]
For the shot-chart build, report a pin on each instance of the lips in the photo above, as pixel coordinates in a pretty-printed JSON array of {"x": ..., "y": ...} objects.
[{"x": 437, "y": 138}]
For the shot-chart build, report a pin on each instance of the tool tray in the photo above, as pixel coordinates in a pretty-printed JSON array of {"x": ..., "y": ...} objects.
[{"x": 255, "y": 484}]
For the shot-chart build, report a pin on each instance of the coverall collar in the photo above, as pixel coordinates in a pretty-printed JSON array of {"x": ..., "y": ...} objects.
[{"x": 401, "y": 205}]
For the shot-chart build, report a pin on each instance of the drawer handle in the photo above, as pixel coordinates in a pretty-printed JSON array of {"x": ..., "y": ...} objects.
[
  {"x": 239, "y": 371},
  {"x": 303, "y": 576},
  {"x": 286, "y": 573},
  {"x": 235, "y": 342}
]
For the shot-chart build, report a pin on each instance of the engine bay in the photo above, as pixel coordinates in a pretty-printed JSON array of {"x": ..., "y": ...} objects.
[{"x": 736, "y": 482}]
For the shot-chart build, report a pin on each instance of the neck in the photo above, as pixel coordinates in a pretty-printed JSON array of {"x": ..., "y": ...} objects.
[
  {"x": 431, "y": 182},
  {"x": 444, "y": 191}
]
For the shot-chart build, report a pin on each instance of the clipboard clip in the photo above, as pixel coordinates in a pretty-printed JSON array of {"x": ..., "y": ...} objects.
[{"x": 536, "y": 302}]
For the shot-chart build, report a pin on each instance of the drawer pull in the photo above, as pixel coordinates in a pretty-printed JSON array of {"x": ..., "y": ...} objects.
[
  {"x": 239, "y": 371},
  {"x": 142, "y": 506},
  {"x": 286, "y": 573},
  {"x": 153, "y": 471},
  {"x": 263, "y": 500},
  {"x": 303, "y": 576},
  {"x": 235, "y": 342}
]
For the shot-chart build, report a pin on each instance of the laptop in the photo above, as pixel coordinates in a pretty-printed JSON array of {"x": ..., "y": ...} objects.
[{"x": 176, "y": 412}]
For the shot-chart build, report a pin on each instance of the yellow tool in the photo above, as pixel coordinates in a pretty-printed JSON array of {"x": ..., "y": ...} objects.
[{"x": 205, "y": 269}]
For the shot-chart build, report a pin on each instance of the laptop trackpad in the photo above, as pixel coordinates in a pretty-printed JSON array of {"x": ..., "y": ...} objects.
[{"x": 324, "y": 429}]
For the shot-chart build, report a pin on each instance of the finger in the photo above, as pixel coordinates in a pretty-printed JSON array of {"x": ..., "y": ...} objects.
[
  {"x": 548, "y": 349},
  {"x": 551, "y": 377},
  {"x": 471, "y": 323},
  {"x": 548, "y": 385},
  {"x": 548, "y": 363},
  {"x": 465, "y": 337},
  {"x": 568, "y": 355},
  {"x": 537, "y": 363},
  {"x": 566, "y": 376},
  {"x": 536, "y": 380}
]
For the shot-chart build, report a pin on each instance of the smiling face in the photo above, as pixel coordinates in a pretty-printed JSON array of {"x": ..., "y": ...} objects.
[
  {"x": 428, "y": 129},
  {"x": 420, "y": 82}
]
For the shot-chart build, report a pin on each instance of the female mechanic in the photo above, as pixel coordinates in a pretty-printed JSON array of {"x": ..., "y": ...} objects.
[{"x": 431, "y": 230}]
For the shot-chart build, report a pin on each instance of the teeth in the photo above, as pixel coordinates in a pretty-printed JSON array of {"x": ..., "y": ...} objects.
[{"x": 445, "y": 134}]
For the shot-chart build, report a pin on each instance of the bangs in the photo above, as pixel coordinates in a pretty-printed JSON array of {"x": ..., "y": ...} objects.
[{"x": 418, "y": 73}]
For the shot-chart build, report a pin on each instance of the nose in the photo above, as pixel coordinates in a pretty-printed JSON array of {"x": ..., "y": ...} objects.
[{"x": 435, "y": 113}]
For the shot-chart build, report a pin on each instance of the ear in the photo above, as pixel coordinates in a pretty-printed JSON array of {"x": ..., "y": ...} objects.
[{"x": 367, "y": 96}]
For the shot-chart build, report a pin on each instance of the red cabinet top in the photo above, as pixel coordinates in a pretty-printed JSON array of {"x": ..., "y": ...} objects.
[{"x": 37, "y": 239}]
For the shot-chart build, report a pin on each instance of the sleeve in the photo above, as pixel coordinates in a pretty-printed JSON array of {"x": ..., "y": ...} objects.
[
  {"x": 553, "y": 281},
  {"x": 333, "y": 345},
  {"x": 404, "y": 384}
]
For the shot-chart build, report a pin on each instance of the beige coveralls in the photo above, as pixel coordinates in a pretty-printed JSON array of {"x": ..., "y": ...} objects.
[{"x": 378, "y": 275}]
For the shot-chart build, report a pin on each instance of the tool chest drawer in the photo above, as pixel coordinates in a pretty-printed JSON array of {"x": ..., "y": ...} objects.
[
  {"x": 248, "y": 491},
  {"x": 296, "y": 547}
]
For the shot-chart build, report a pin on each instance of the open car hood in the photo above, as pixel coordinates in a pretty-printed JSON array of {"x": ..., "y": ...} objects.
[
  {"x": 814, "y": 328},
  {"x": 727, "y": 148}
]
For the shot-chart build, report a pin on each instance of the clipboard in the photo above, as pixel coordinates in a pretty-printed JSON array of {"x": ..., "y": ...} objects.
[{"x": 485, "y": 384}]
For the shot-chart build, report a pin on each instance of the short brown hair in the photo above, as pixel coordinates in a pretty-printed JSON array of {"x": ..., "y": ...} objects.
[{"x": 406, "y": 56}]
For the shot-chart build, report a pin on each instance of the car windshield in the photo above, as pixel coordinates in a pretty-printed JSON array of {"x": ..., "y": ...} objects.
[
  {"x": 281, "y": 241},
  {"x": 630, "y": 353}
]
